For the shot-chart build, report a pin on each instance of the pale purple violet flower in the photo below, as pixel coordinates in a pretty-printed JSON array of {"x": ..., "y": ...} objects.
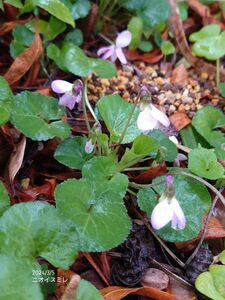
[
  {"x": 89, "y": 147},
  {"x": 168, "y": 209},
  {"x": 72, "y": 93},
  {"x": 115, "y": 51},
  {"x": 150, "y": 117}
]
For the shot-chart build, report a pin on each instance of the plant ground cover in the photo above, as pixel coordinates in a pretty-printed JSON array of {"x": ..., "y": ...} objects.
[{"x": 112, "y": 150}]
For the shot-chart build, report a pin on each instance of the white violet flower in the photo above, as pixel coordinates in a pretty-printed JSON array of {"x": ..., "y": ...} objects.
[
  {"x": 71, "y": 93},
  {"x": 89, "y": 147},
  {"x": 115, "y": 51},
  {"x": 150, "y": 117},
  {"x": 168, "y": 209}
]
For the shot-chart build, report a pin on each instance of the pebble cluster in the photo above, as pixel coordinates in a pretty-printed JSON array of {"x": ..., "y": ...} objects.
[{"x": 170, "y": 97}]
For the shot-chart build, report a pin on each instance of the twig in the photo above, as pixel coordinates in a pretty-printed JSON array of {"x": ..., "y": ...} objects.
[
  {"x": 180, "y": 263},
  {"x": 204, "y": 230}
]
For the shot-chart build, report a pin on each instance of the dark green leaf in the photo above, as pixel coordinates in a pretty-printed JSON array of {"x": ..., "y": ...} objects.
[
  {"x": 75, "y": 37},
  {"x": 22, "y": 38},
  {"x": 145, "y": 46},
  {"x": 16, "y": 281},
  {"x": 96, "y": 207},
  {"x": 222, "y": 88},
  {"x": 115, "y": 112},
  {"x": 6, "y": 97},
  {"x": 192, "y": 196},
  {"x": 71, "y": 152},
  {"x": 152, "y": 12},
  {"x": 32, "y": 113},
  {"x": 206, "y": 120},
  {"x": 54, "y": 27},
  {"x": 4, "y": 199},
  {"x": 29, "y": 230}
]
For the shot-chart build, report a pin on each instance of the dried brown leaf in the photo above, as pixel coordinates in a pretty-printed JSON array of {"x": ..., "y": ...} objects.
[{"x": 24, "y": 61}]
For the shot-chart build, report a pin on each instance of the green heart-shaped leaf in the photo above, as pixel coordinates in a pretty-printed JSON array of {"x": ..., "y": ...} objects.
[
  {"x": 209, "y": 42},
  {"x": 96, "y": 208},
  {"x": 71, "y": 152},
  {"x": 86, "y": 290},
  {"x": 206, "y": 120},
  {"x": 29, "y": 230},
  {"x": 192, "y": 196},
  {"x": 35, "y": 116},
  {"x": 16, "y": 280}
]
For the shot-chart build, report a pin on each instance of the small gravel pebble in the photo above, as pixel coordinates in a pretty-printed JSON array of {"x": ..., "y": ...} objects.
[{"x": 171, "y": 98}]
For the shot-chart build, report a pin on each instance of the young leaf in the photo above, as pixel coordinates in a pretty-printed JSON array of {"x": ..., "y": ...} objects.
[
  {"x": 222, "y": 257},
  {"x": 203, "y": 162},
  {"x": 115, "y": 111},
  {"x": 192, "y": 196},
  {"x": 86, "y": 290},
  {"x": 57, "y": 9},
  {"x": 222, "y": 87},
  {"x": 167, "y": 47},
  {"x": 16, "y": 280},
  {"x": 205, "y": 284},
  {"x": 95, "y": 207},
  {"x": 218, "y": 274},
  {"x": 206, "y": 120},
  {"x": 71, "y": 152},
  {"x": 135, "y": 26},
  {"x": 145, "y": 46},
  {"x": 54, "y": 27},
  {"x": 29, "y": 230},
  {"x": 209, "y": 42},
  {"x": 32, "y": 113},
  {"x": 142, "y": 146},
  {"x": 6, "y": 97},
  {"x": 4, "y": 199}
]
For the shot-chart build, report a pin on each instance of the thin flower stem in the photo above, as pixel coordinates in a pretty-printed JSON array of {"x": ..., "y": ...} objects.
[
  {"x": 131, "y": 192},
  {"x": 217, "y": 73},
  {"x": 206, "y": 183},
  {"x": 87, "y": 101},
  {"x": 136, "y": 169},
  {"x": 205, "y": 229},
  {"x": 138, "y": 186},
  {"x": 105, "y": 38},
  {"x": 84, "y": 107}
]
